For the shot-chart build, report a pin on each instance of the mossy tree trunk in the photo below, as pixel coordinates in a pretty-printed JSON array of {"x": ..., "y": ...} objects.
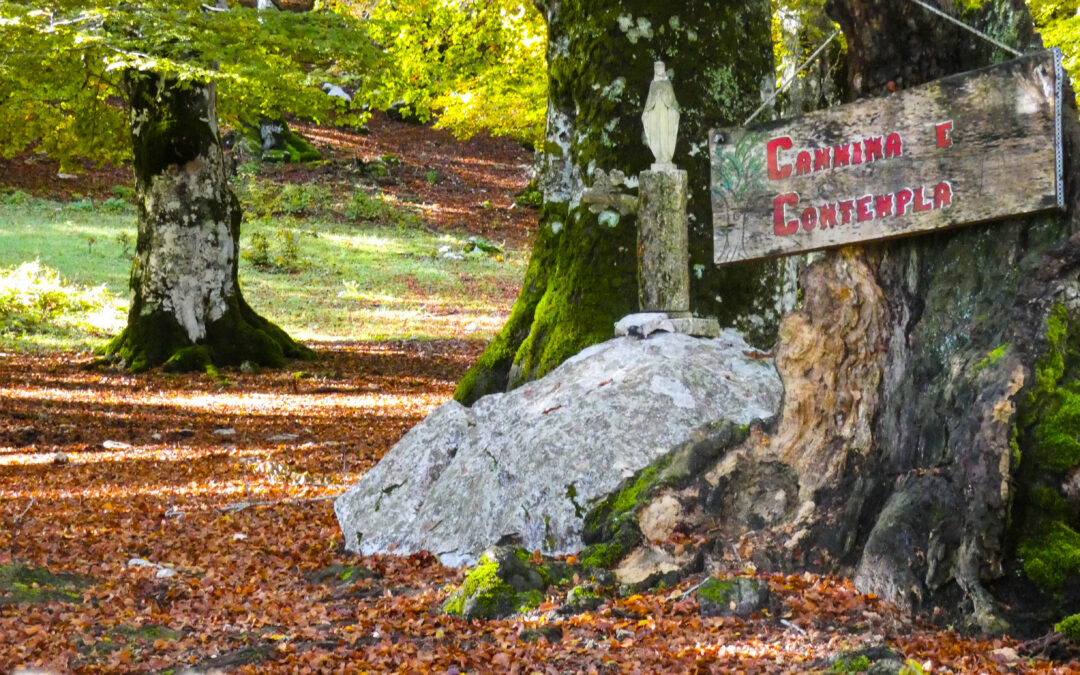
[
  {"x": 582, "y": 275},
  {"x": 912, "y": 471},
  {"x": 187, "y": 311},
  {"x": 966, "y": 313},
  {"x": 928, "y": 439}
]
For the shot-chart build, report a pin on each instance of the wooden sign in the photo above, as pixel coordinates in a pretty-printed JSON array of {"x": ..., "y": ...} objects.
[{"x": 969, "y": 148}]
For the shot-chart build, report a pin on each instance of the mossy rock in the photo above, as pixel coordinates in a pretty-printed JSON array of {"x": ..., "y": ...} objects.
[
  {"x": 584, "y": 598},
  {"x": 25, "y": 584},
  {"x": 1070, "y": 628},
  {"x": 553, "y": 634},
  {"x": 502, "y": 583},
  {"x": 611, "y": 529},
  {"x": 739, "y": 596},
  {"x": 879, "y": 660}
]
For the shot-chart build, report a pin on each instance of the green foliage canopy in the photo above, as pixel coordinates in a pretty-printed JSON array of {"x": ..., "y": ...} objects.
[
  {"x": 1059, "y": 24},
  {"x": 479, "y": 63},
  {"x": 62, "y": 65}
]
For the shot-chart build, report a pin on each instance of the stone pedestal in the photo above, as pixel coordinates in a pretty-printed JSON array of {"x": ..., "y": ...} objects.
[{"x": 663, "y": 249}]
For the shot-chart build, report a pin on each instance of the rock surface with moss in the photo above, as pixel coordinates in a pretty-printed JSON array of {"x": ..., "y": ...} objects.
[
  {"x": 503, "y": 582},
  {"x": 187, "y": 311},
  {"x": 582, "y": 275},
  {"x": 526, "y": 466},
  {"x": 737, "y": 596}
]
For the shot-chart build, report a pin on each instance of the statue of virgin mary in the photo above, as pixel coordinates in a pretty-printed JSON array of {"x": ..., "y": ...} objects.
[{"x": 661, "y": 118}]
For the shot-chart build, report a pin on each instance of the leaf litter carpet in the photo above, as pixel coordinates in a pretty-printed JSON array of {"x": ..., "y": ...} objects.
[
  {"x": 185, "y": 522},
  {"x": 196, "y": 514}
]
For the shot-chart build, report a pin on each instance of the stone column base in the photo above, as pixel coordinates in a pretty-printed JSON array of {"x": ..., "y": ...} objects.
[{"x": 644, "y": 324}]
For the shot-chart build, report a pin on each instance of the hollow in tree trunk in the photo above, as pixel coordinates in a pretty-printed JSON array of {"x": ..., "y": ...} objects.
[{"x": 187, "y": 311}]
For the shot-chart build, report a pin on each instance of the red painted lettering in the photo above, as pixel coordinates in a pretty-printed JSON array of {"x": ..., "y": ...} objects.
[
  {"x": 920, "y": 203},
  {"x": 944, "y": 134},
  {"x": 841, "y": 156},
  {"x": 846, "y": 207},
  {"x": 777, "y": 172},
  {"x": 903, "y": 198},
  {"x": 942, "y": 195},
  {"x": 780, "y": 227},
  {"x": 827, "y": 216},
  {"x": 821, "y": 159},
  {"x": 894, "y": 146},
  {"x": 883, "y": 206},
  {"x": 873, "y": 149},
  {"x": 856, "y": 154},
  {"x": 802, "y": 163},
  {"x": 809, "y": 218},
  {"x": 862, "y": 209}
]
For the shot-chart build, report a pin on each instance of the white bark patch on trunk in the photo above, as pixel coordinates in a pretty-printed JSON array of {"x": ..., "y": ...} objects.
[
  {"x": 561, "y": 179},
  {"x": 186, "y": 270}
]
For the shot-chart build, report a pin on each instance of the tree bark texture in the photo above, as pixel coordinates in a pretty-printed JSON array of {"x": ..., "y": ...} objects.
[
  {"x": 581, "y": 278},
  {"x": 187, "y": 311},
  {"x": 932, "y": 388}
]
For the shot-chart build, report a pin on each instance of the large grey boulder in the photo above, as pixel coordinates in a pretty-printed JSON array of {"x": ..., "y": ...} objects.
[{"x": 524, "y": 467}]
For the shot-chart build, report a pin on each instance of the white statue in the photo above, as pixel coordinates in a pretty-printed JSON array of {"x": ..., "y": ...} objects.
[{"x": 661, "y": 119}]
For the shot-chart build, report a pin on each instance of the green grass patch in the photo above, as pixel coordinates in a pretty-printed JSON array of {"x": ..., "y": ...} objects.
[{"x": 319, "y": 278}]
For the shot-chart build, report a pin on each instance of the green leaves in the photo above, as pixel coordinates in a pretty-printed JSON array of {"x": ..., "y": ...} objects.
[
  {"x": 479, "y": 63},
  {"x": 61, "y": 84}
]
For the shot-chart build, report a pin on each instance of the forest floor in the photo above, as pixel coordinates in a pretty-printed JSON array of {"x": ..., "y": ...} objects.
[{"x": 154, "y": 523}]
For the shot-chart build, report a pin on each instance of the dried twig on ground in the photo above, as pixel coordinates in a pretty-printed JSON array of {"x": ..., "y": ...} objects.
[{"x": 27, "y": 509}]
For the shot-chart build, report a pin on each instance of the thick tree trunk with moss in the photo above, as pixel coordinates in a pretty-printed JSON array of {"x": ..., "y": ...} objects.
[
  {"x": 927, "y": 443},
  {"x": 965, "y": 315},
  {"x": 582, "y": 276},
  {"x": 187, "y": 311}
]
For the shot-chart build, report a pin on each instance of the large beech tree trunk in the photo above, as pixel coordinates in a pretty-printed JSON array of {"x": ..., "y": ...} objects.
[
  {"x": 927, "y": 443},
  {"x": 582, "y": 275},
  {"x": 187, "y": 310}
]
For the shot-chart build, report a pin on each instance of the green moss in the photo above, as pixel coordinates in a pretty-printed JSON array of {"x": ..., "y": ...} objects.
[
  {"x": 25, "y": 584},
  {"x": 299, "y": 149},
  {"x": 612, "y": 524},
  {"x": 239, "y": 335},
  {"x": 992, "y": 357},
  {"x": 1070, "y": 628},
  {"x": 484, "y": 585},
  {"x": 1046, "y": 436},
  {"x": 529, "y": 600},
  {"x": 717, "y": 591},
  {"x": 580, "y": 594},
  {"x": 486, "y": 595},
  {"x": 853, "y": 664},
  {"x": 147, "y": 632},
  {"x": 339, "y": 573},
  {"x": 604, "y": 555},
  {"x": 556, "y": 572},
  {"x": 1051, "y": 554},
  {"x": 188, "y": 360}
]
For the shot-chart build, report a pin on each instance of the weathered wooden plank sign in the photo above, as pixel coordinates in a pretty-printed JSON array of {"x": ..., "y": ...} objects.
[{"x": 966, "y": 149}]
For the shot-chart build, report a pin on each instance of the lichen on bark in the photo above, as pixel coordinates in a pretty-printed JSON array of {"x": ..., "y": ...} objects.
[
  {"x": 187, "y": 310},
  {"x": 582, "y": 277}
]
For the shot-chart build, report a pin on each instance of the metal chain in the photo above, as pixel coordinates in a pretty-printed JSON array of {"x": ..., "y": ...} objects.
[
  {"x": 787, "y": 83},
  {"x": 976, "y": 31}
]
